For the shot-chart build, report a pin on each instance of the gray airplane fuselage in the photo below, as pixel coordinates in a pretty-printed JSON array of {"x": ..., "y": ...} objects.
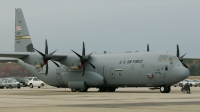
[
  {"x": 104, "y": 71},
  {"x": 138, "y": 69}
]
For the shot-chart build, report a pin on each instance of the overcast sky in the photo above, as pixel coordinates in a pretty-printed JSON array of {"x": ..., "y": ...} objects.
[{"x": 106, "y": 25}]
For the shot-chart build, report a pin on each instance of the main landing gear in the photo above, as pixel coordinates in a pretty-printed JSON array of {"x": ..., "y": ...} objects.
[
  {"x": 165, "y": 89},
  {"x": 79, "y": 90},
  {"x": 109, "y": 89}
]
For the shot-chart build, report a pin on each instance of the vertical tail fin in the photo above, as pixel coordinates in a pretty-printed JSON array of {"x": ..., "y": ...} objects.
[{"x": 22, "y": 38}]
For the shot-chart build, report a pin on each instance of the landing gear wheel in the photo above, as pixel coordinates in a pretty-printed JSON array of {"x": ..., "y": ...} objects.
[
  {"x": 38, "y": 86},
  {"x": 111, "y": 89},
  {"x": 163, "y": 89},
  {"x": 168, "y": 89},
  {"x": 84, "y": 90},
  {"x": 73, "y": 90},
  {"x": 102, "y": 89}
]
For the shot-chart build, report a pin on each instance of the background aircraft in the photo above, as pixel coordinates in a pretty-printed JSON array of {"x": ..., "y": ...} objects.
[{"x": 104, "y": 71}]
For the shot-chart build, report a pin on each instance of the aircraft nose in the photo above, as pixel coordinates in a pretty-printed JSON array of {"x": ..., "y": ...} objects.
[{"x": 181, "y": 73}]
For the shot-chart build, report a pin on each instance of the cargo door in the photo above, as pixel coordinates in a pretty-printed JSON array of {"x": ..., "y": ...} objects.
[{"x": 59, "y": 76}]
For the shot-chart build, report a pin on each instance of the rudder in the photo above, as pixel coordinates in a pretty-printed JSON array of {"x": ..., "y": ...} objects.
[{"x": 23, "y": 41}]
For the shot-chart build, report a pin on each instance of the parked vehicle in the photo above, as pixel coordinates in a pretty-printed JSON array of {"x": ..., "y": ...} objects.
[
  {"x": 11, "y": 83},
  {"x": 197, "y": 81},
  {"x": 191, "y": 82},
  {"x": 35, "y": 82},
  {"x": 24, "y": 81}
]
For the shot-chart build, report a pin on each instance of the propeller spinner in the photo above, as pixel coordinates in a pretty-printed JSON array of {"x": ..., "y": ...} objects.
[
  {"x": 84, "y": 58},
  {"x": 47, "y": 57}
]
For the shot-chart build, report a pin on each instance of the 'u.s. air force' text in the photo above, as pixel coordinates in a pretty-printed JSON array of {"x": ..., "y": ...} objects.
[{"x": 130, "y": 61}]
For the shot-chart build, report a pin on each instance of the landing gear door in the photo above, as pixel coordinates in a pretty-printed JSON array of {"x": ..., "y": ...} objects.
[
  {"x": 112, "y": 73},
  {"x": 59, "y": 76}
]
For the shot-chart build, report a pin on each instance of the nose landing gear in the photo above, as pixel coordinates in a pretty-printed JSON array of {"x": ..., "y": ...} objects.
[{"x": 165, "y": 89}]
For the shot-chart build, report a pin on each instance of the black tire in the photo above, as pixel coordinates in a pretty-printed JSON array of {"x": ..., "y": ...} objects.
[
  {"x": 163, "y": 89},
  {"x": 180, "y": 85},
  {"x": 73, "y": 90},
  {"x": 38, "y": 86},
  {"x": 31, "y": 85},
  {"x": 10, "y": 86},
  {"x": 168, "y": 89},
  {"x": 111, "y": 89},
  {"x": 84, "y": 90},
  {"x": 102, "y": 89},
  {"x": 18, "y": 87},
  {"x": 190, "y": 85}
]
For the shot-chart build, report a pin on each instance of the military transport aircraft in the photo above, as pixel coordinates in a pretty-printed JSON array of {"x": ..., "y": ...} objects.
[{"x": 104, "y": 71}]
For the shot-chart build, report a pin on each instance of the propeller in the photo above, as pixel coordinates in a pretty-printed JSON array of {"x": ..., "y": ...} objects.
[
  {"x": 47, "y": 57},
  {"x": 147, "y": 47},
  {"x": 84, "y": 58},
  {"x": 180, "y": 58}
]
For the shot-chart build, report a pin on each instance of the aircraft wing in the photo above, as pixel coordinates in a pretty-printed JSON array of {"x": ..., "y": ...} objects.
[
  {"x": 21, "y": 55},
  {"x": 5, "y": 60},
  {"x": 14, "y": 54},
  {"x": 191, "y": 59},
  {"x": 58, "y": 57}
]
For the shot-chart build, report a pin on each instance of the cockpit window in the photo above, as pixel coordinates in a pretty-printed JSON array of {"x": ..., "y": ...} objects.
[
  {"x": 174, "y": 60},
  {"x": 163, "y": 58}
]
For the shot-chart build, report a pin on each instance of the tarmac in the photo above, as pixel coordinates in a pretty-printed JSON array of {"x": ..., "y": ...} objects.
[{"x": 51, "y": 99}]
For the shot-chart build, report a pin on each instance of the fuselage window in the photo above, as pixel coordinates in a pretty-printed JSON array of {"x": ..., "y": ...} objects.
[{"x": 166, "y": 68}]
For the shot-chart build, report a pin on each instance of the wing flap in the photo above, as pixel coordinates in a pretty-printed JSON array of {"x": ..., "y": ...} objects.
[
  {"x": 6, "y": 60},
  {"x": 14, "y": 55}
]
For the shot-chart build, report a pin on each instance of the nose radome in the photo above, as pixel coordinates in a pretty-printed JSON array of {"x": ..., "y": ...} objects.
[
  {"x": 186, "y": 73},
  {"x": 183, "y": 73}
]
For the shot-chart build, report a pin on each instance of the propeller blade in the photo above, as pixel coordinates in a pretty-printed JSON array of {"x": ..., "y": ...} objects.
[
  {"x": 83, "y": 70},
  {"x": 92, "y": 65},
  {"x": 55, "y": 63},
  {"x": 177, "y": 53},
  {"x": 77, "y": 54},
  {"x": 185, "y": 65},
  {"x": 40, "y": 52},
  {"x": 183, "y": 55},
  {"x": 148, "y": 47},
  {"x": 90, "y": 54},
  {"x": 46, "y": 47},
  {"x": 83, "y": 51},
  {"x": 47, "y": 68},
  {"x": 53, "y": 52}
]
